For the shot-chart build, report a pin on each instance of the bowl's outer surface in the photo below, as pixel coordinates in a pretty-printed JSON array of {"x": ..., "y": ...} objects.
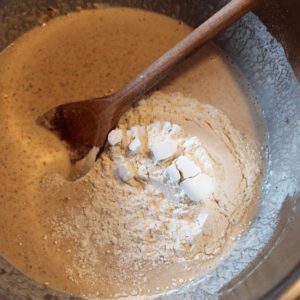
[
  {"x": 282, "y": 20},
  {"x": 270, "y": 250}
]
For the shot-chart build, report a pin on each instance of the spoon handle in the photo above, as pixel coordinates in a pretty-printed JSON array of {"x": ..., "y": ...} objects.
[{"x": 146, "y": 80}]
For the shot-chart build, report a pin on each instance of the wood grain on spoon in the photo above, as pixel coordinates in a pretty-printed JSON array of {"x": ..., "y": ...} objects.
[{"x": 89, "y": 122}]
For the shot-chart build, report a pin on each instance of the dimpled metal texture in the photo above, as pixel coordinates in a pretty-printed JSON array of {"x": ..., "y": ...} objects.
[{"x": 269, "y": 250}]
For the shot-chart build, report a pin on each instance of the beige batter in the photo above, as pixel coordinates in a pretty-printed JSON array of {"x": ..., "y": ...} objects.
[{"x": 85, "y": 55}]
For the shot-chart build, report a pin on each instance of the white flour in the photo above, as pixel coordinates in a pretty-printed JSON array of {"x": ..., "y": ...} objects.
[
  {"x": 173, "y": 181},
  {"x": 160, "y": 160}
]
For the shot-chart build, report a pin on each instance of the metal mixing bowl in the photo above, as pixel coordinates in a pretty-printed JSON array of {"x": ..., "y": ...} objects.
[{"x": 270, "y": 251}]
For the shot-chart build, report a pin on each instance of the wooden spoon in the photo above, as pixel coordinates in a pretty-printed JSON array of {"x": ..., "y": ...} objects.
[{"x": 87, "y": 123}]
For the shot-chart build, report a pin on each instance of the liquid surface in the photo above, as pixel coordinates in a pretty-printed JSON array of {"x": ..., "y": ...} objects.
[{"x": 81, "y": 56}]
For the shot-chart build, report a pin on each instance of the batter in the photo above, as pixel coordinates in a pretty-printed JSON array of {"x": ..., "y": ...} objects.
[{"x": 79, "y": 56}]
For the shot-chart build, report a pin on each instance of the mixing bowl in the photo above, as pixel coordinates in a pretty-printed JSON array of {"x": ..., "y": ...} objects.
[{"x": 269, "y": 252}]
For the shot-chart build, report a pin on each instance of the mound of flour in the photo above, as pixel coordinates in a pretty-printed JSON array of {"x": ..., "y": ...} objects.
[{"x": 173, "y": 181}]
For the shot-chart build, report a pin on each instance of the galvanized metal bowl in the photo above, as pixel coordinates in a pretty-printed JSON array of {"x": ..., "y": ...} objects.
[{"x": 270, "y": 250}]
